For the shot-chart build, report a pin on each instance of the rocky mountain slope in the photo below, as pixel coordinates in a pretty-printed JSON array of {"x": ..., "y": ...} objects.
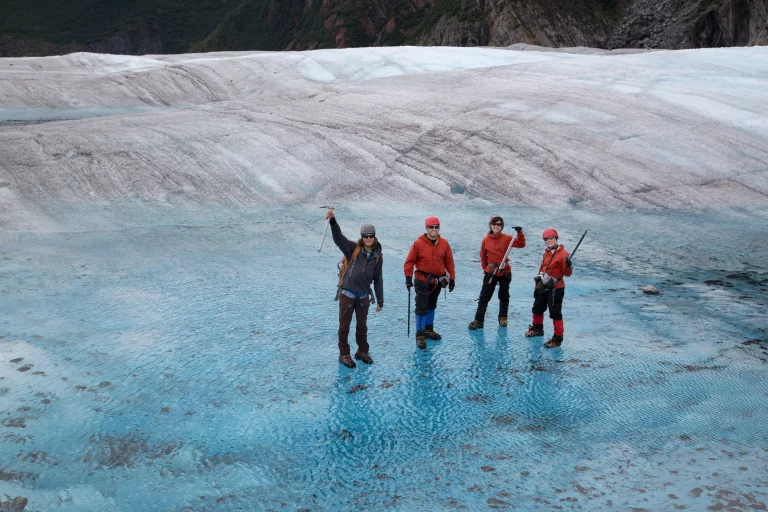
[{"x": 150, "y": 26}]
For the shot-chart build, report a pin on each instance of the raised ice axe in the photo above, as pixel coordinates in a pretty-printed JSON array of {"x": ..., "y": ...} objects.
[
  {"x": 325, "y": 231},
  {"x": 578, "y": 244}
]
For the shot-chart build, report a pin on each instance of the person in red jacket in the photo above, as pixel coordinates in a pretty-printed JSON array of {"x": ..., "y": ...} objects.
[
  {"x": 432, "y": 258},
  {"x": 492, "y": 250},
  {"x": 550, "y": 289}
]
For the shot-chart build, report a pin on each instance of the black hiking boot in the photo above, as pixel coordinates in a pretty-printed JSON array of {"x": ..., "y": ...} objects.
[
  {"x": 421, "y": 340},
  {"x": 534, "y": 330},
  {"x": 366, "y": 358},
  {"x": 554, "y": 342},
  {"x": 347, "y": 361},
  {"x": 503, "y": 321},
  {"x": 474, "y": 324},
  {"x": 430, "y": 333}
]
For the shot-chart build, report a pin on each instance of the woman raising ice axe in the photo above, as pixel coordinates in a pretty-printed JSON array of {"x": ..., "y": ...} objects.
[{"x": 362, "y": 266}]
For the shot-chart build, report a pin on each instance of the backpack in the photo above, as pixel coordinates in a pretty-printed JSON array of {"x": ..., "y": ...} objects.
[{"x": 342, "y": 266}]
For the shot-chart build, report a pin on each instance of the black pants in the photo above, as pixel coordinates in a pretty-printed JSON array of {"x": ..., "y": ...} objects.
[
  {"x": 358, "y": 307},
  {"x": 427, "y": 293},
  {"x": 549, "y": 299},
  {"x": 486, "y": 294}
]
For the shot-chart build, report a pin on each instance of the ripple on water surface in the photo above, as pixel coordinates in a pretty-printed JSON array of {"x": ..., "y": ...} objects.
[{"x": 200, "y": 366}]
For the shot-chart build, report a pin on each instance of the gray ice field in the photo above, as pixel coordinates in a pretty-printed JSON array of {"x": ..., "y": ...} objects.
[{"x": 168, "y": 329}]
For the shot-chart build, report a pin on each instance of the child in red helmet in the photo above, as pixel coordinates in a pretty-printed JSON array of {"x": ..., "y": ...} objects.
[
  {"x": 493, "y": 248},
  {"x": 432, "y": 258},
  {"x": 550, "y": 289}
]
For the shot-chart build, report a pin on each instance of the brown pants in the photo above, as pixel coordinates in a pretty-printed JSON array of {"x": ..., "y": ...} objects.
[{"x": 359, "y": 307}]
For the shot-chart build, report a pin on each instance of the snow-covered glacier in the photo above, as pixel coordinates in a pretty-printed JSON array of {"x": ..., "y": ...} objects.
[
  {"x": 168, "y": 329},
  {"x": 672, "y": 129}
]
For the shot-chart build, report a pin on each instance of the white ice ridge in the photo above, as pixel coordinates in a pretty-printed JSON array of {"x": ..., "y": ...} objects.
[
  {"x": 86, "y": 79},
  {"x": 670, "y": 128}
]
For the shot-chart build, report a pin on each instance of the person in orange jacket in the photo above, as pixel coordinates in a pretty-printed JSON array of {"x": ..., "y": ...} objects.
[
  {"x": 550, "y": 289},
  {"x": 432, "y": 258},
  {"x": 493, "y": 248}
]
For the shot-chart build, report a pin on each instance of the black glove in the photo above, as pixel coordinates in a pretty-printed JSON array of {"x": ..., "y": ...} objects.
[
  {"x": 567, "y": 262},
  {"x": 408, "y": 282},
  {"x": 518, "y": 229},
  {"x": 451, "y": 285}
]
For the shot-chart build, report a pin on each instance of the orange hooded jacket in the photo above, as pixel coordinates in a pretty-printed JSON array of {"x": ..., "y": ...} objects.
[
  {"x": 492, "y": 249},
  {"x": 429, "y": 258},
  {"x": 554, "y": 265}
]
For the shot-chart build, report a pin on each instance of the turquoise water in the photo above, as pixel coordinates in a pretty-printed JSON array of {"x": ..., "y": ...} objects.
[
  {"x": 188, "y": 361},
  {"x": 24, "y": 115}
]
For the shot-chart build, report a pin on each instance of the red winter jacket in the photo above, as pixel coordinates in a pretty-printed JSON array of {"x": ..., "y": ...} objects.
[
  {"x": 430, "y": 258},
  {"x": 554, "y": 265},
  {"x": 492, "y": 249}
]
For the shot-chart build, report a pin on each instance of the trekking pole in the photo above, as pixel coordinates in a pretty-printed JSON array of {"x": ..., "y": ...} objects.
[
  {"x": 409, "y": 312},
  {"x": 325, "y": 231},
  {"x": 578, "y": 244}
]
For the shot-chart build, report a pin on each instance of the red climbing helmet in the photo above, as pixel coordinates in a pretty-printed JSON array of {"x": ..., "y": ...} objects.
[
  {"x": 549, "y": 232},
  {"x": 431, "y": 221}
]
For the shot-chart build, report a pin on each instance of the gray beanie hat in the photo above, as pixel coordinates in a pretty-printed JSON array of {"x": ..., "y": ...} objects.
[{"x": 367, "y": 229}]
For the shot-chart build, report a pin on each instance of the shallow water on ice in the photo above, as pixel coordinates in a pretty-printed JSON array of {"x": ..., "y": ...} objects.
[
  {"x": 42, "y": 115},
  {"x": 191, "y": 362}
]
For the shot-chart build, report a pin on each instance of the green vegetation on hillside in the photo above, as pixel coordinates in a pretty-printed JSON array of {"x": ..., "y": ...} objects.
[
  {"x": 206, "y": 25},
  {"x": 265, "y": 25},
  {"x": 177, "y": 22},
  {"x": 268, "y": 25}
]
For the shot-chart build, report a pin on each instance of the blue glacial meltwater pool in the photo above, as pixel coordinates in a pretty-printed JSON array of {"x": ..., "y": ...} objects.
[{"x": 188, "y": 361}]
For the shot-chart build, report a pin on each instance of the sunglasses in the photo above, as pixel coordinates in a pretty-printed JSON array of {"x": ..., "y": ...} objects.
[
  {"x": 497, "y": 224},
  {"x": 368, "y": 236},
  {"x": 436, "y": 226},
  {"x": 550, "y": 238}
]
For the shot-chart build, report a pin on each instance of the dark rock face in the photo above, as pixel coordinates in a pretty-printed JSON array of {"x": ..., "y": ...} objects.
[
  {"x": 552, "y": 23},
  {"x": 727, "y": 26},
  {"x": 692, "y": 24},
  {"x": 134, "y": 40},
  {"x": 311, "y": 24},
  {"x": 450, "y": 32}
]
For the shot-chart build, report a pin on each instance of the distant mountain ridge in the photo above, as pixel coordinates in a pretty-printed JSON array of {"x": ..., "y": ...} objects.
[{"x": 41, "y": 27}]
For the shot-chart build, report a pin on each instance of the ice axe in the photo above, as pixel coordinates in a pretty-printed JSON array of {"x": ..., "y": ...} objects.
[
  {"x": 325, "y": 231},
  {"x": 503, "y": 258},
  {"x": 578, "y": 244}
]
